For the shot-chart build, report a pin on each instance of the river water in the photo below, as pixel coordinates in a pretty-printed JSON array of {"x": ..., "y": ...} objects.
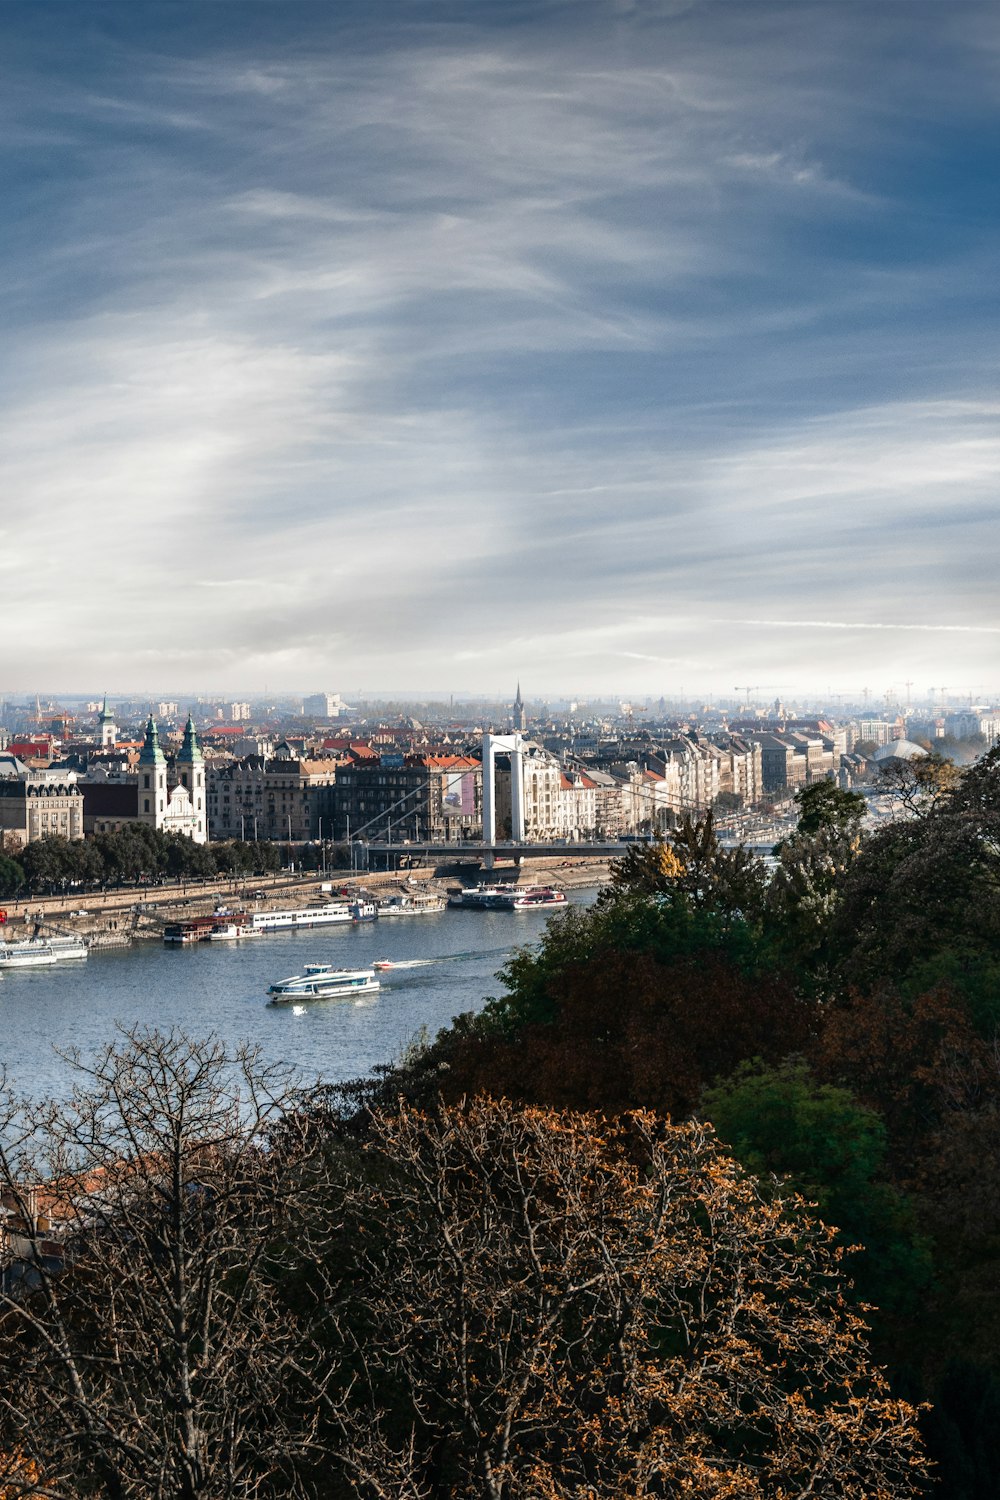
[{"x": 220, "y": 988}]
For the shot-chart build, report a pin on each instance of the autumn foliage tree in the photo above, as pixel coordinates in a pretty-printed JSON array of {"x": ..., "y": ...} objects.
[{"x": 557, "y": 1307}]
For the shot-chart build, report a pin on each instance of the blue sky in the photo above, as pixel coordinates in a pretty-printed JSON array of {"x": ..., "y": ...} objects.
[{"x": 619, "y": 347}]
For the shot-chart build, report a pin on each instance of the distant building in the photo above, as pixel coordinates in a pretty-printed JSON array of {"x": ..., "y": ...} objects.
[
  {"x": 880, "y": 731},
  {"x": 36, "y": 804},
  {"x": 324, "y": 706},
  {"x": 433, "y": 797},
  {"x": 283, "y": 797}
]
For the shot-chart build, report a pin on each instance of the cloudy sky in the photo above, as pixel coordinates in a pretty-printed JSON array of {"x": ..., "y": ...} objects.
[{"x": 616, "y": 345}]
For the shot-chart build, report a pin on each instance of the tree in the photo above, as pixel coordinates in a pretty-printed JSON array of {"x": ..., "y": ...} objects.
[
  {"x": 692, "y": 868},
  {"x": 921, "y": 903},
  {"x": 11, "y": 876},
  {"x": 147, "y": 1346},
  {"x": 627, "y": 1029},
  {"x": 823, "y": 805},
  {"x": 559, "y": 1308},
  {"x": 831, "y": 1149},
  {"x": 918, "y": 787},
  {"x": 47, "y": 862}
]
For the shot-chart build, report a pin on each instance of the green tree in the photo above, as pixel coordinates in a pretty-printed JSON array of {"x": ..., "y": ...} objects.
[
  {"x": 11, "y": 876},
  {"x": 48, "y": 862},
  {"x": 692, "y": 869},
  {"x": 820, "y": 1141},
  {"x": 823, "y": 805}
]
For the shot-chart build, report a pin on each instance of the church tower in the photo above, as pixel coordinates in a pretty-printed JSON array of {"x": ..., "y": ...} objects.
[
  {"x": 189, "y": 769},
  {"x": 107, "y": 726},
  {"x": 152, "y": 778},
  {"x": 520, "y": 717}
]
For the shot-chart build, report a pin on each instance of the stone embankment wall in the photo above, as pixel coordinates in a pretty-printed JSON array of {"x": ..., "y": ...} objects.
[{"x": 115, "y": 918}]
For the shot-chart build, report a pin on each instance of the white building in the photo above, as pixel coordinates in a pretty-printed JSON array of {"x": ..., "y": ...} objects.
[
  {"x": 324, "y": 706},
  {"x": 172, "y": 798}
]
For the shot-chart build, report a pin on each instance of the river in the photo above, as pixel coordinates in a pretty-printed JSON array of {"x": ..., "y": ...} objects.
[{"x": 220, "y": 988}]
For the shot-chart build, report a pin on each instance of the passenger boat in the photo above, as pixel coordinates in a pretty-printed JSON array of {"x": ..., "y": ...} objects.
[
  {"x": 198, "y": 929},
  {"x": 39, "y": 952},
  {"x": 410, "y": 906},
  {"x": 323, "y": 982},
  {"x": 315, "y": 916},
  {"x": 535, "y": 896},
  {"x": 484, "y": 897},
  {"x": 230, "y": 931}
]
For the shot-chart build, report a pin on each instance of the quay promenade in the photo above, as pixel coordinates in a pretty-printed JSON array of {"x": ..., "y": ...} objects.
[{"x": 116, "y": 916}]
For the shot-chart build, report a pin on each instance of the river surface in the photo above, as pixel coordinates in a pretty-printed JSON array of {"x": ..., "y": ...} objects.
[{"x": 221, "y": 988}]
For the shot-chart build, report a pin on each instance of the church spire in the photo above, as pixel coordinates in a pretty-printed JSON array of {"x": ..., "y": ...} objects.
[
  {"x": 190, "y": 750},
  {"x": 151, "y": 754}
]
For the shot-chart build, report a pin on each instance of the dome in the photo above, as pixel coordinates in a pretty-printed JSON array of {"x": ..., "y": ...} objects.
[{"x": 899, "y": 750}]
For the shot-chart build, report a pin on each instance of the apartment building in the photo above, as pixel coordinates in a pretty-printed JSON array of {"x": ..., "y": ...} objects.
[{"x": 283, "y": 797}]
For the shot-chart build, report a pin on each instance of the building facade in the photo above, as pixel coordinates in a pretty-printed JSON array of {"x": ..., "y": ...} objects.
[
  {"x": 279, "y": 798},
  {"x": 36, "y": 805}
]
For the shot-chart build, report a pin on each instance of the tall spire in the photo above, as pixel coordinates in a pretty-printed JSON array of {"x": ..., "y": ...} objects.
[
  {"x": 151, "y": 754},
  {"x": 190, "y": 750}
]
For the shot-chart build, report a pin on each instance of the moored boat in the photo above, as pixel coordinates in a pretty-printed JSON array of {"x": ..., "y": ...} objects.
[
  {"x": 41, "y": 952},
  {"x": 229, "y": 932},
  {"x": 322, "y": 982},
  {"x": 198, "y": 929},
  {"x": 535, "y": 896},
  {"x": 410, "y": 906},
  {"x": 480, "y": 897},
  {"x": 315, "y": 916}
]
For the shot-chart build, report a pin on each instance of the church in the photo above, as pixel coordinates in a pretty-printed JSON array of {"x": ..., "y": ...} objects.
[{"x": 167, "y": 794}]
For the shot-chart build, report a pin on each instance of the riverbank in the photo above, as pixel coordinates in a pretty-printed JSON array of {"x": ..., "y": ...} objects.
[{"x": 116, "y": 917}]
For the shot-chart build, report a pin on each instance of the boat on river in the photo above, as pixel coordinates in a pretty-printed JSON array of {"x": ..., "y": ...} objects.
[
  {"x": 230, "y": 932},
  {"x": 405, "y": 905},
  {"x": 534, "y": 897},
  {"x": 200, "y": 929},
  {"x": 37, "y": 952},
  {"x": 315, "y": 916},
  {"x": 484, "y": 897},
  {"x": 323, "y": 982}
]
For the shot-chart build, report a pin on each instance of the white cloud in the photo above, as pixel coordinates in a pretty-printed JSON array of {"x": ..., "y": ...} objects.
[{"x": 342, "y": 358}]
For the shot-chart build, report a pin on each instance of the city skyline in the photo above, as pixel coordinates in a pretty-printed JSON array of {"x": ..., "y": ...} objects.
[{"x": 646, "y": 348}]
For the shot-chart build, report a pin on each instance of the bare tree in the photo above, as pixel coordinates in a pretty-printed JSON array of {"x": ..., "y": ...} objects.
[{"x": 148, "y": 1346}]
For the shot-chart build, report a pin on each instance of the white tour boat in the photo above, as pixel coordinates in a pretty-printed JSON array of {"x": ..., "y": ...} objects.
[
  {"x": 484, "y": 897},
  {"x": 36, "y": 952},
  {"x": 230, "y": 931},
  {"x": 315, "y": 916},
  {"x": 410, "y": 906},
  {"x": 323, "y": 982}
]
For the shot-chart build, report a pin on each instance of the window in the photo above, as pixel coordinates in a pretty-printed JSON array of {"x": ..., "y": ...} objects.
[{"x": 145, "y": 782}]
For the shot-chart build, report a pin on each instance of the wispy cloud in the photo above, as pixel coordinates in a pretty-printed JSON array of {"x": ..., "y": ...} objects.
[{"x": 326, "y": 349}]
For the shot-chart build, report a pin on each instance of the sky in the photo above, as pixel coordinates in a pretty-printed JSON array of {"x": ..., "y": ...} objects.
[{"x": 616, "y": 346}]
